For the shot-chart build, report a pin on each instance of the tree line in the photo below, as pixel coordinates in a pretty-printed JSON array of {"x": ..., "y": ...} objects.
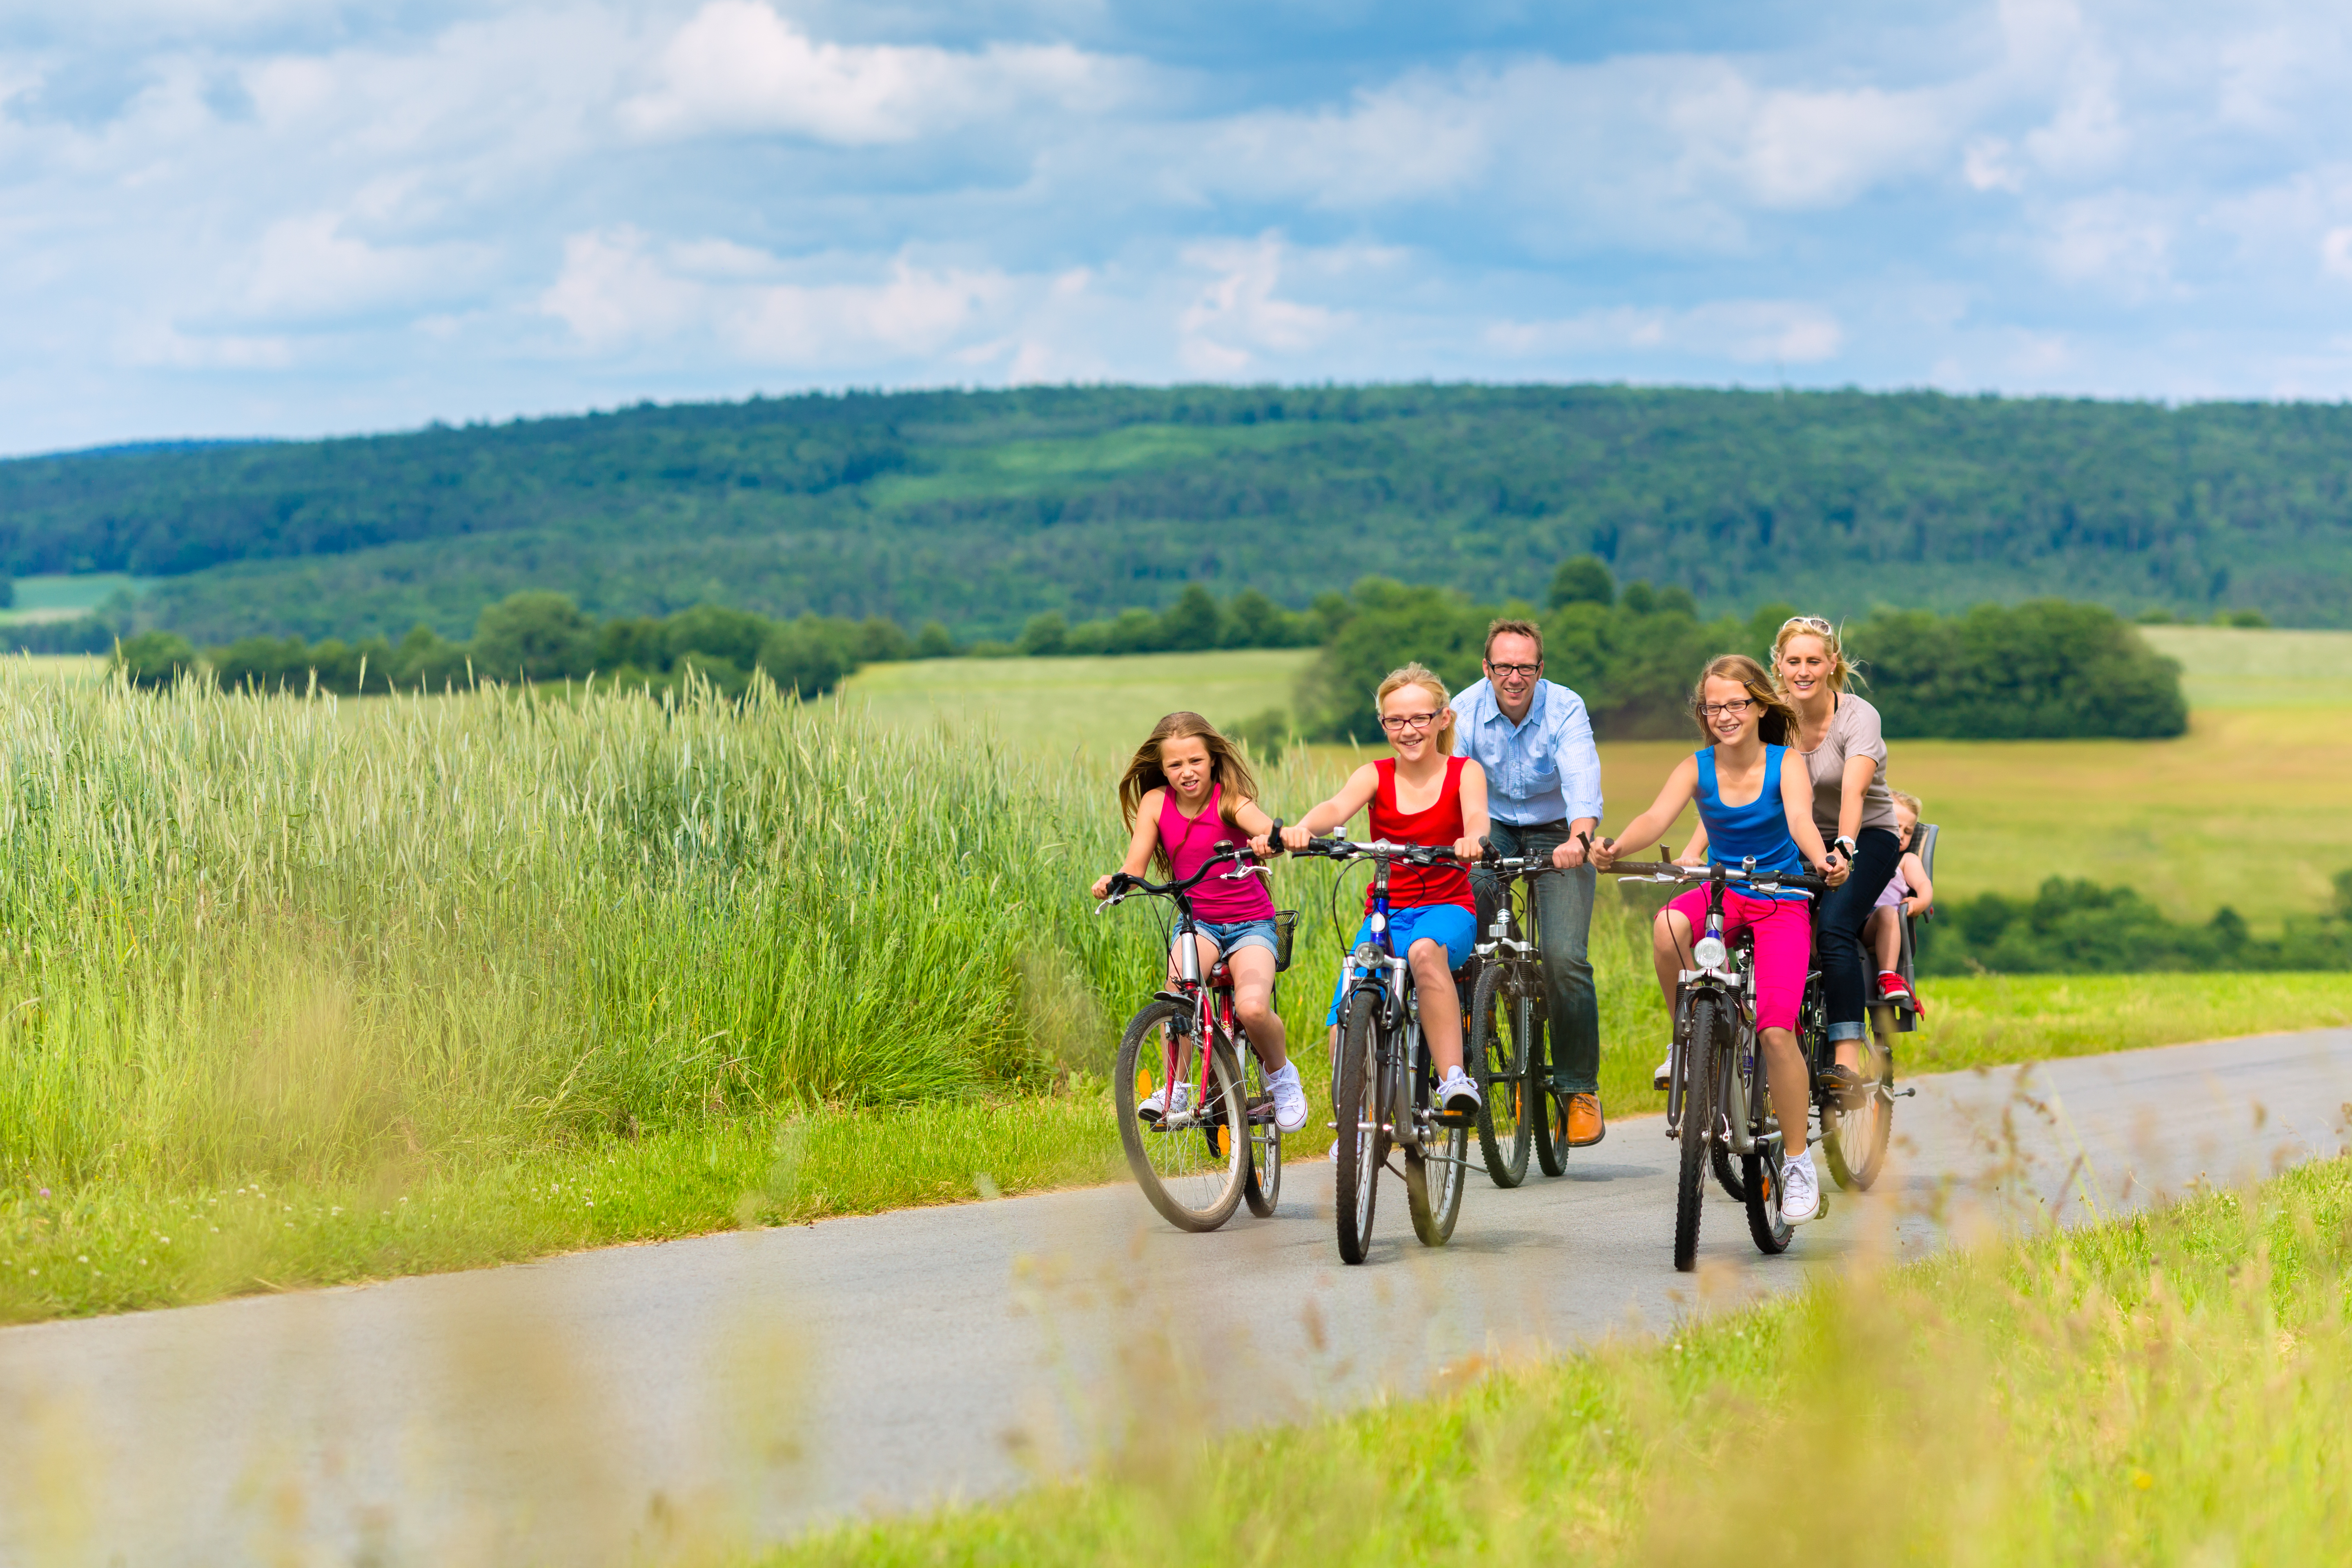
[
  {"x": 2043, "y": 670},
  {"x": 986, "y": 510},
  {"x": 2077, "y": 927},
  {"x": 2046, "y": 668}
]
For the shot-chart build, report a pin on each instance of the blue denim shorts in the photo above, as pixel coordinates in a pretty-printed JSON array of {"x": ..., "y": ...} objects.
[
  {"x": 1450, "y": 924},
  {"x": 1231, "y": 936}
]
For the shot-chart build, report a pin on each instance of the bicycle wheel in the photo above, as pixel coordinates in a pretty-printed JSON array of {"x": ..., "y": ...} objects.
[
  {"x": 1855, "y": 1141},
  {"x": 1547, "y": 1112},
  {"x": 1702, "y": 1066},
  {"x": 1263, "y": 1186},
  {"x": 1726, "y": 1173},
  {"x": 1361, "y": 1143},
  {"x": 1191, "y": 1166},
  {"x": 1433, "y": 1172},
  {"x": 1498, "y": 1055},
  {"x": 1761, "y": 1170}
]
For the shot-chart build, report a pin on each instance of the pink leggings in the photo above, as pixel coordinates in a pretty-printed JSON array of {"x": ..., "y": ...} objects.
[{"x": 1784, "y": 946}]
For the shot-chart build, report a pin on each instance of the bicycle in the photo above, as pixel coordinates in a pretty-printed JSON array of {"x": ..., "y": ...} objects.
[
  {"x": 1186, "y": 1159},
  {"x": 1505, "y": 1048},
  {"x": 1717, "y": 1097},
  {"x": 1382, "y": 1084}
]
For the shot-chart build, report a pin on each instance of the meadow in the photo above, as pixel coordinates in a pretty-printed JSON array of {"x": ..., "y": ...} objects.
[
  {"x": 2166, "y": 1388},
  {"x": 2247, "y": 809}
]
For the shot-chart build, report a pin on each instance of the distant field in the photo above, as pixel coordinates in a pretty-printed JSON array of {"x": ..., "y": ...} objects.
[
  {"x": 2247, "y": 809},
  {"x": 1102, "y": 705},
  {"x": 60, "y": 597}
]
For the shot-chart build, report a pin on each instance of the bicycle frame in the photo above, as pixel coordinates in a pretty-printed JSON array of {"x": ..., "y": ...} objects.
[{"x": 1210, "y": 1003}]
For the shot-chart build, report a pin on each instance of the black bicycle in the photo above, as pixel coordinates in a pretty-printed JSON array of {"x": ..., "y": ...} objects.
[
  {"x": 1384, "y": 1084},
  {"x": 1179, "y": 1106},
  {"x": 1719, "y": 1101},
  {"x": 1505, "y": 1048}
]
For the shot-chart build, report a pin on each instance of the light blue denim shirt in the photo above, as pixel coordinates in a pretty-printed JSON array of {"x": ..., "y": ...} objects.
[{"x": 1545, "y": 770}]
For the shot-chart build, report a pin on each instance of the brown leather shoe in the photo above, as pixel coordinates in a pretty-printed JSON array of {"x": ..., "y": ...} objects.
[{"x": 1585, "y": 1126}]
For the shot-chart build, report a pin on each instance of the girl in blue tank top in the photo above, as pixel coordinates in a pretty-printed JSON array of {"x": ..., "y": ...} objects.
[{"x": 1751, "y": 804}]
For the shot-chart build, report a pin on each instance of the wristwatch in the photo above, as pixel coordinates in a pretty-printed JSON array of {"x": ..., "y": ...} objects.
[{"x": 1845, "y": 846}]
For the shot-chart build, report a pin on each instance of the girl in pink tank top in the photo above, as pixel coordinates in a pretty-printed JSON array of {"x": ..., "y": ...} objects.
[{"x": 1185, "y": 790}]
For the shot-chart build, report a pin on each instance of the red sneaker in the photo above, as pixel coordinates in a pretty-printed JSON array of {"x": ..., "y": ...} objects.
[{"x": 1891, "y": 988}]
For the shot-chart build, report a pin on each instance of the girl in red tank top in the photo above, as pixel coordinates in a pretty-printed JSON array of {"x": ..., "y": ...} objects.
[{"x": 1421, "y": 795}]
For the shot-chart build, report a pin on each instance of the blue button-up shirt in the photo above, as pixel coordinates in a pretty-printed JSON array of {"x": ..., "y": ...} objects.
[{"x": 1544, "y": 770}]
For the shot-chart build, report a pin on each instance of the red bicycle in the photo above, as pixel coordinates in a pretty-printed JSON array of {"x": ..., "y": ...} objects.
[{"x": 1194, "y": 1112}]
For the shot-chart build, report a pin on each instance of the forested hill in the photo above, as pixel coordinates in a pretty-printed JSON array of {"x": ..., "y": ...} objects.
[{"x": 981, "y": 508}]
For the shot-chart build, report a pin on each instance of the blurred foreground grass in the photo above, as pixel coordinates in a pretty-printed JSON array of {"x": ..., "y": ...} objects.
[{"x": 2168, "y": 1388}]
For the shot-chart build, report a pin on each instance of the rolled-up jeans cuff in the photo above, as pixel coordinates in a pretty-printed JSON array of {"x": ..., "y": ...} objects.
[
  {"x": 1844, "y": 1032},
  {"x": 1562, "y": 1087}
]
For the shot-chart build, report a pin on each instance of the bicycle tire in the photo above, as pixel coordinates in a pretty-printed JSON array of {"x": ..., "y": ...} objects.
[
  {"x": 1504, "y": 1134},
  {"x": 1360, "y": 1144},
  {"x": 1262, "y": 1183},
  {"x": 1771, "y": 1233},
  {"x": 1864, "y": 1129},
  {"x": 1702, "y": 1065},
  {"x": 1180, "y": 1170},
  {"x": 1550, "y": 1122},
  {"x": 1433, "y": 1196}
]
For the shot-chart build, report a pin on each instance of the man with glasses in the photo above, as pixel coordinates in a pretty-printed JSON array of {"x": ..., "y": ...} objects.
[{"x": 1534, "y": 739}]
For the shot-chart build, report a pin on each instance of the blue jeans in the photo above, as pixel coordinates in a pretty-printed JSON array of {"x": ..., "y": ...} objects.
[
  {"x": 1450, "y": 924},
  {"x": 1564, "y": 926}
]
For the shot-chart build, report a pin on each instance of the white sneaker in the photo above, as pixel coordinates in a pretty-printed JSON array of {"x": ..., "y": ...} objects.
[
  {"x": 1664, "y": 1075},
  {"x": 1290, "y": 1098},
  {"x": 1155, "y": 1104},
  {"x": 1457, "y": 1094},
  {"x": 1801, "y": 1190}
]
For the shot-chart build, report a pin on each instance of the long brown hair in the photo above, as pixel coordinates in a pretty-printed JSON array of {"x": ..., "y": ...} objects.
[
  {"x": 1779, "y": 720},
  {"x": 1227, "y": 767}
]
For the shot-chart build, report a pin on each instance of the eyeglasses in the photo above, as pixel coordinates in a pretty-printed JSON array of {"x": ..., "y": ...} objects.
[
  {"x": 1395, "y": 724},
  {"x": 1733, "y": 708},
  {"x": 1523, "y": 672},
  {"x": 1810, "y": 623}
]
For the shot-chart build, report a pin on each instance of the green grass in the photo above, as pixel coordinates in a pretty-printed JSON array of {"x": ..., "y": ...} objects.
[
  {"x": 60, "y": 597},
  {"x": 2228, "y": 666},
  {"x": 1104, "y": 707},
  {"x": 2168, "y": 1388}
]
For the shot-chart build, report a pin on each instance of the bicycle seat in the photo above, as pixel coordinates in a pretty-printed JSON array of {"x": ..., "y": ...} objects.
[{"x": 1221, "y": 974}]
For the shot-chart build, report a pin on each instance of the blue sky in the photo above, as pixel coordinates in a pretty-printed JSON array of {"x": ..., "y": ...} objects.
[{"x": 257, "y": 216}]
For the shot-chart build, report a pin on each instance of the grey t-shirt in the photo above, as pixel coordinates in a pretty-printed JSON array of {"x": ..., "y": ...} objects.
[{"x": 1852, "y": 732}]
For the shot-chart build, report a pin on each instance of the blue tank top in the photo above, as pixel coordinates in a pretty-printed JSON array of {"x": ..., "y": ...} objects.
[{"x": 1759, "y": 828}]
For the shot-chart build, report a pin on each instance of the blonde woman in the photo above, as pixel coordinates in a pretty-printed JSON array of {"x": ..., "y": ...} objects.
[{"x": 1421, "y": 795}]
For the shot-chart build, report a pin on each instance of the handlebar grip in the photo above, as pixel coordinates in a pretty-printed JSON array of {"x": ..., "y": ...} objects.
[{"x": 1274, "y": 844}]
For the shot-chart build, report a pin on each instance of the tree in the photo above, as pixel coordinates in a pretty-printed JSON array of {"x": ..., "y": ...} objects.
[
  {"x": 1582, "y": 580},
  {"x": 154, "y": 659},
  {"x": 534, "y": 635},
  {"x": 1044, "y": 635},
  {"x": 933, "y": 642},
  {"x": 1194, "y": 622}
]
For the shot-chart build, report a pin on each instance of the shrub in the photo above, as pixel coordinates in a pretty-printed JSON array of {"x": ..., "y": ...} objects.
[
  {"x": 534, "y": 635},
  {"x": 153, "y": 660}
]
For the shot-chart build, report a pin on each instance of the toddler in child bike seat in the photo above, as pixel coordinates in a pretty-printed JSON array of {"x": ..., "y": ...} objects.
[
  {"x": 1752, "y": 801},
  {"x": 1185, "y": 789},
  {"x": 1907, "y": 892},
  {"x": 1421, "y": 795}
]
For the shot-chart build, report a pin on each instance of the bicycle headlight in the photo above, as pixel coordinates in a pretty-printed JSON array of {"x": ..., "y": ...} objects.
[{"x": 1710, "y": 953}]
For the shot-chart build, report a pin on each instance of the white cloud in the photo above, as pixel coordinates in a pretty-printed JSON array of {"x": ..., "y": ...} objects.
[
  {"x": 1238, "y": 318},
  {"x": 1746, "y": 331},
  {"x": 2336, "y": 252},
  {"x": 738, "y": 65},
  {"x": 308, "y": 267},
  {"x": 2119, "y": 240},
  {"x": 619, "y": 289}
]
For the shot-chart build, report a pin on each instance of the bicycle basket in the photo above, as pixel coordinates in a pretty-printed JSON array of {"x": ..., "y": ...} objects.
[{"x": 1286, "y": 926}]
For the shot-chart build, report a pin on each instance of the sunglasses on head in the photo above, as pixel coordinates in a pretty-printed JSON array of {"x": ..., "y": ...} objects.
[{"x": 1810, "y": 623}]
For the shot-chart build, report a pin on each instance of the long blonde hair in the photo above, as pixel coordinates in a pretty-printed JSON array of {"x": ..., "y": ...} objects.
[
  {"x": 1227, "y": 767},
  {"x": 1419, "y": 674},
  {"x": 1779, "y": 721},
  {"x": 1811, "y": 626}
]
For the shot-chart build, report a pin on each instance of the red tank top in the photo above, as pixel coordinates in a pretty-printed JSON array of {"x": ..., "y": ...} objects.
[{"x": 1409, "y": 887}]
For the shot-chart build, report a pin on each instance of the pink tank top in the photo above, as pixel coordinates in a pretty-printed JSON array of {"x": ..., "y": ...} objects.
[{"x": 1190, "y": 840}]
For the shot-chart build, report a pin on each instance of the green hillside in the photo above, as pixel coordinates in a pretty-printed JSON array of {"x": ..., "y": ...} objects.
[{"x": 981, "y": 508}]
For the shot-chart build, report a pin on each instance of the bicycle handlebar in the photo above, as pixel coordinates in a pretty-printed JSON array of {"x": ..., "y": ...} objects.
[
  {"x": 1123, "y": 886},
  {"x": 1337, "y": 848},
  {"x": 1669, "y": 871}
]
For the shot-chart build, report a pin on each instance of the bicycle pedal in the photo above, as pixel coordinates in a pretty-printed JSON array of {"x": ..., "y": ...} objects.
[{"x": 1455, "y": 1119}]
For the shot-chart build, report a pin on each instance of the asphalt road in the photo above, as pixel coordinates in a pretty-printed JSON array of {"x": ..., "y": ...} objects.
[{"x": 589, "y": 1408}]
